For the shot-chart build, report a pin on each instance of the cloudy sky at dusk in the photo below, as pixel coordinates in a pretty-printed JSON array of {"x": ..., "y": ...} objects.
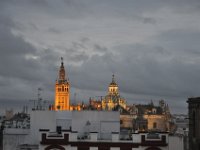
[{"x": 152, "y": 47}]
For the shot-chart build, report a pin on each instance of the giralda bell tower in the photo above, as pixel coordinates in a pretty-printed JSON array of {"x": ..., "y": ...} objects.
[{"x": 62, "y": 90}]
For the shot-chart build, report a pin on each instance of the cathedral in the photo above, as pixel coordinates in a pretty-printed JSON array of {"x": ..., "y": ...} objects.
[
  {"x": 113, "y": 99},
  {"x": 137, "y": 117}
]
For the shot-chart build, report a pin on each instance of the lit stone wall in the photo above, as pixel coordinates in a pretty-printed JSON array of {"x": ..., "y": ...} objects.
[
  {"x": 127, "y": 121},
  {"x": 160, "y": 120}
]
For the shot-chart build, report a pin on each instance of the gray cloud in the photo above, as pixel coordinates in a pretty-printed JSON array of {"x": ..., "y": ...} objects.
[
  {"x": 149, "y": 20},
  {"x": 99, "y": 48},
  {"x": 19, "y": 71},
  {"x": 54, "y": 30},
  {"x": 151, "y": 46}
]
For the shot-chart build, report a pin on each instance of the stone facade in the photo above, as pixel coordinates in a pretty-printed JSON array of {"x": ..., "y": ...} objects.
[{"x": 194, "y": 123}]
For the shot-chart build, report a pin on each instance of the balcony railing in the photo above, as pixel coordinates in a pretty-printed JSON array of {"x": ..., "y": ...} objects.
[{"x": 104, "y": 136}]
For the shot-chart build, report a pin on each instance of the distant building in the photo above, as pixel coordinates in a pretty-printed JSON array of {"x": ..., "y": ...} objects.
[
  {"x": 134, "y": 117},
  {"x": 77, "y": 107},
  {"x": 181, "y": 123},
  {"x": 94, "y": 104},
  {"x": 62, "y": 90},
  {"x": 194, "y": 123},
  {"x": 147, "y": 117},
  {"x": 113, "y": 98},
  {"x": 9, "y": 114}
]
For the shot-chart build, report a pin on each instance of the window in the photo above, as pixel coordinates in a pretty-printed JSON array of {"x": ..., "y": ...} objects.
[
  {"x": 154, "y": 125},
  {"x": 62, "y": 88}
]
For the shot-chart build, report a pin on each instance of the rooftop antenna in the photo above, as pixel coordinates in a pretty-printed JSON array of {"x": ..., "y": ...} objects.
[
  {"x": 39, "y": 105},
  {"x": 34, "y": 103},
  {"x": 37, "y": 102},
  {"x": 75, "y": 98}
]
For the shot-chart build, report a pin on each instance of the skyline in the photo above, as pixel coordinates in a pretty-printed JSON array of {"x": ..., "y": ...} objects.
[{"x": 152, "y": 48}]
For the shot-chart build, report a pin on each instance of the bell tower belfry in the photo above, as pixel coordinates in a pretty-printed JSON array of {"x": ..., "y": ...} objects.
[{"x": 62, "y": 90}]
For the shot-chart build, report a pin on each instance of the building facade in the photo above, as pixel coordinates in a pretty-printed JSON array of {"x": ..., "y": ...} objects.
[
  {"x": 62, "y": 90},
  {"x": 194, "y": 123},
  {"x": 148, "y": 117},
  {"x": 83, "y": 130}
]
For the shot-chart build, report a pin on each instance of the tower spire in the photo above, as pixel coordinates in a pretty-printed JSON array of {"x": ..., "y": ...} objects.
[
  {"x": 61, "y": 61},
  {"x": 62, "y": 71},
  {"x": 113, "y": 78}
]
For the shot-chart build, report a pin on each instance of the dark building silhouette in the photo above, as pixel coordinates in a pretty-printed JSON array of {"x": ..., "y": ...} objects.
[{"x": 194, "y": 123}]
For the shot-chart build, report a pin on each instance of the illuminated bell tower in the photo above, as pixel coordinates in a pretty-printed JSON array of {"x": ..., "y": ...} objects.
[{"x": 62, "y": 90}]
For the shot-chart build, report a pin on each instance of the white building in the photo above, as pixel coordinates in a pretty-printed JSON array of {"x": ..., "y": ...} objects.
[{"x": 82, "y": 130}]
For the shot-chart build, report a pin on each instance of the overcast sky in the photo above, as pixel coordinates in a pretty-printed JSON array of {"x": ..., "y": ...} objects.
[{"x": 152, "y": 47}]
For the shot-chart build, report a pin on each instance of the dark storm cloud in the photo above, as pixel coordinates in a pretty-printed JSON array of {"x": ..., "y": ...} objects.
[
  {"x": 13, "y": 50},
  {"x": 149, "y": 70},
  {"x": 76, "y": 53},
  {"x": 158, "y": 70},
  {"x": 164, "y": 64},
  {"x": 79, "y": 57},
  {"x": 180, "y": 39},
  {"x": 76, "y": 8},
  {"x": 100, "y": 48},
  {"x": 88, "y": 72},
  {"x": 19, "y": 72}
]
